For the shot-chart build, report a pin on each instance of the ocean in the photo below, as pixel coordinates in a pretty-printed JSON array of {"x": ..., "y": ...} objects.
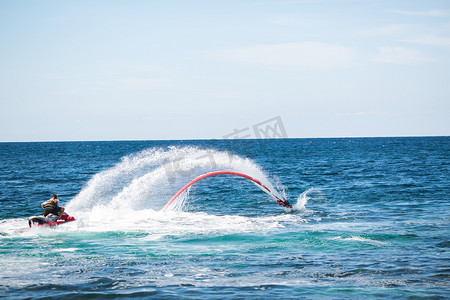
[{"x": 370, "y": 219}]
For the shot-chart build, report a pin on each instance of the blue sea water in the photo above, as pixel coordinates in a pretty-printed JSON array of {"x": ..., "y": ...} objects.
[{"x": 370, "y": 219}]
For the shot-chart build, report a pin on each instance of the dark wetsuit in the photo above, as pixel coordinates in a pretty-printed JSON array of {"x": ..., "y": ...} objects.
[{"x": 51, "y": 207}]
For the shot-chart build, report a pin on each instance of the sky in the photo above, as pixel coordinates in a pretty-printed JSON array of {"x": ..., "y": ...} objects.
[{"x": 164, "y": 70}]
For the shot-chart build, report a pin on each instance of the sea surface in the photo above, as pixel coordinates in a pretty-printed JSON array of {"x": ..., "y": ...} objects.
[{"x": 370, "y": 219}]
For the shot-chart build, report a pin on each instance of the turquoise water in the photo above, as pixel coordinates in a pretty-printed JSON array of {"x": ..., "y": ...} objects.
[{"x": 370, "y": 219}]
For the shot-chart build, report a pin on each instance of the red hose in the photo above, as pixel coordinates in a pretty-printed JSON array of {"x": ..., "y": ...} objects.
[{"x": 283, "y": 202}]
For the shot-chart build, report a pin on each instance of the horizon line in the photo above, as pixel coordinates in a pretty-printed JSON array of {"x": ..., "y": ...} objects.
[{"x": 217, "y": 139}]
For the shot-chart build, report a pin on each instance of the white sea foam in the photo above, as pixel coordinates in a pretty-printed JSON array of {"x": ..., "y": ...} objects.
[
  {"x": 66, "y": 250},
  {"x": 360, "y": 239},
  {"x": 303, "y": 198},
  {"x": 176, "y": 223}
]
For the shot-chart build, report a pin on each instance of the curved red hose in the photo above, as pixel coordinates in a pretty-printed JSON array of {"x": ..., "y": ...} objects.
[{"x": 226, "y": 173}]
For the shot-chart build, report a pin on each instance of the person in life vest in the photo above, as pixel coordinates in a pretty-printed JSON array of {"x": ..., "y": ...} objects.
[{"x": 51, "y": 207}]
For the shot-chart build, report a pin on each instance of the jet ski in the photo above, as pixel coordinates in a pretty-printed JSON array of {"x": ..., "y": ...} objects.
[{"x": 49, "y": 221}]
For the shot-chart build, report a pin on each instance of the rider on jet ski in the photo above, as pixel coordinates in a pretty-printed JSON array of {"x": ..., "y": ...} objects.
[
  {"x": 53, "y": 214},
  {"x": 51, "y": 207}
]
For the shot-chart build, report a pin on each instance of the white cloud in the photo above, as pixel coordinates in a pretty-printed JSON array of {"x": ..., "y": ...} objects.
[
  {"x": 428, "y": 13},
  {"x": 283, "y": 20},
  {"x": 145, "y": 69},
  {"x": 400, "y": 55},
  {"x": 292, "y": 55},
  {"x": 133, "y": 77},
  {"x": 302, "y": 1},
  {"x": 430, "y": 40},
  {"x": 364, "y": 113},
  {"x": 388, "y": 30},
  {"x": 143, "y": 83}
]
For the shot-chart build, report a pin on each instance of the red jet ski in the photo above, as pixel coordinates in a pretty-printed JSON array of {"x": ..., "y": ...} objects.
[{"x": 49, "y": 220}]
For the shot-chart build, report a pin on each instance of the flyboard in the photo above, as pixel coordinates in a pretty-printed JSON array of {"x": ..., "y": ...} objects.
[
  {"x": 280, "y": 201},
  {"x": 49, "y": 221}
]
